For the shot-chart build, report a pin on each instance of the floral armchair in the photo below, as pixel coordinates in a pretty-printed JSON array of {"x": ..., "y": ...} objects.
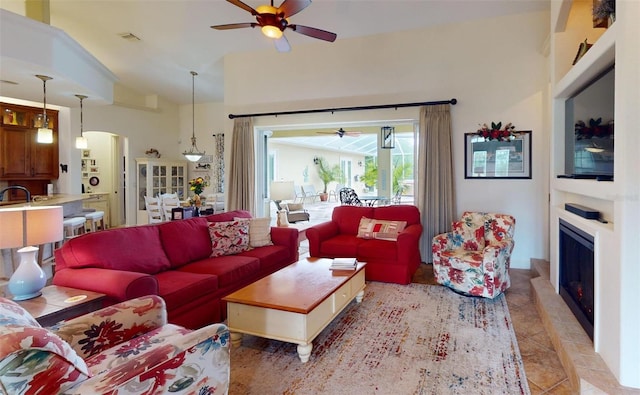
[
  {"x": 126, "y": 348},
  {"x": 473, "y": 259}
]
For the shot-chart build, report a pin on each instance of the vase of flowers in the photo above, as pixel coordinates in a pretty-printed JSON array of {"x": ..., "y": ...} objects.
[
  {"x": 497, "y": 132},
  {"x": 197, "y": 185}
]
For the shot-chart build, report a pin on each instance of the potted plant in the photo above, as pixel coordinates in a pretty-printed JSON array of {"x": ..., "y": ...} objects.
[{"x": 327, "y": 174}]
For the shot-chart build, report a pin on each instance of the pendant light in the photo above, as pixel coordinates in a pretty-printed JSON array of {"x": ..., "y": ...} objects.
[
  {"x": 193, "y": 155},
  {"x": 81, "y": 142},
  {"x": 45, "y": 135}
]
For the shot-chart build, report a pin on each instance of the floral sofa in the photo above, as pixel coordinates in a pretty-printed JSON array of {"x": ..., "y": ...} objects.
[
  {"x": 127, "y": 348},
  {"x": 190, "y": 263},
  {"x": 473, "y": 259},
  {"x": 387, "y": 238}
]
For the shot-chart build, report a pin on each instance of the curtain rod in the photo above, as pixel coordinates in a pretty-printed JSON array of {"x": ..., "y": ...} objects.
[{"x": 332, "y": 110}]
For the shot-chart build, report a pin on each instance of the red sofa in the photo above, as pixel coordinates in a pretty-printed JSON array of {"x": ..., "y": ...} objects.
[
  {"x": 387, "y": 261},
  {"x": 170, "y": 259}
]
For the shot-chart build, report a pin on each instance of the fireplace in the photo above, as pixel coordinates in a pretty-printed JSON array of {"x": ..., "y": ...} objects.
[{"x": 576, "y": 273}]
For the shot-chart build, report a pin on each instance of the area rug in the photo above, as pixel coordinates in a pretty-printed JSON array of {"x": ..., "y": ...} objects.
[{"x": 402, "y": 339}]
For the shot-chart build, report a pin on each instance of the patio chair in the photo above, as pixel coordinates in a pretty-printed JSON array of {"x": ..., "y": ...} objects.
[
  {"x": 299, "y": 194},
  {"x": 336, "y": 192},
  {"x": 349, "y": 197},
  {"x": 310, "y": 192}
]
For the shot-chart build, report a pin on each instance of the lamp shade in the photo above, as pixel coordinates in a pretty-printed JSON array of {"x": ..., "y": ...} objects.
[
  {"x": 45, "y": 136},
  {"x": 25, "y": 226},
  {"x": 282, "y": 190},
  {"x": 29, "y": 226}
]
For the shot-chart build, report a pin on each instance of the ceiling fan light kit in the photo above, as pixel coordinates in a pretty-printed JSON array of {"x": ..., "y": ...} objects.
[{"x": 273, "y": 21}]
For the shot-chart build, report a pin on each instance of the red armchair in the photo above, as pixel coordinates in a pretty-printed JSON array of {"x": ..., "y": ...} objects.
[{"x": 387, "y": 260}]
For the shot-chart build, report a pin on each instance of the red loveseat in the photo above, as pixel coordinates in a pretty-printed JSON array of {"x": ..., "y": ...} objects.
[
  {"x": 393, "y": 261},
  {"x": 172, "y": 260}
]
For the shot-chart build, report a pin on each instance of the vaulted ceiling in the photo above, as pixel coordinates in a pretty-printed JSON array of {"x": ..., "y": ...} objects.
[{"x": 175, "y": 36}]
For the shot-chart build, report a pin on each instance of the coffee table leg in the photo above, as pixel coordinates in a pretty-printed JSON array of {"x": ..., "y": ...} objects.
[
  {"x": 304, "y": 351},
  {"x": 236, "y": 339},
  {"x": 360, "y": 296}
]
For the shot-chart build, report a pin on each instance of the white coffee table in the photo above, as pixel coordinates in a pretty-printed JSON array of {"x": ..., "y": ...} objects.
[{"x": 294, "y": 304}]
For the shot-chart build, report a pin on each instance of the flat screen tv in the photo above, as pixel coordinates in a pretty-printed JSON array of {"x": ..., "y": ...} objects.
[{"x": 589, "y": 129}]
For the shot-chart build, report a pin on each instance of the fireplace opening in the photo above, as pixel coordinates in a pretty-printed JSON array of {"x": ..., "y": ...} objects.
[{"x": 576, "y": 273}]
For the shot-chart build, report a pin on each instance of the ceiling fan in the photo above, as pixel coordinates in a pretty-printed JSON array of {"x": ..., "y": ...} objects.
[
  {"x": 273, "y": 21},
  {"x": 341, "y": 133}
]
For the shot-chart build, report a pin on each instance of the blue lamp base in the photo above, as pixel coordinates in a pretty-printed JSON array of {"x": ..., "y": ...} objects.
[{"x": 29, "y": 279}]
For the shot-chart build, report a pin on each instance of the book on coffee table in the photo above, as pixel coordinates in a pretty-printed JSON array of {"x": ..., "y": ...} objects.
[{"x": 344, "y": 264}]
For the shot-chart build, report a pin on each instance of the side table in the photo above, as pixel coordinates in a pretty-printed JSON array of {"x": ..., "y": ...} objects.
[{"x": 61, "y": 303}]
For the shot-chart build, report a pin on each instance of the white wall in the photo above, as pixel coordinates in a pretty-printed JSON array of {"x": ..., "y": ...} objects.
[
  {"x": 144, "y": 128},
  {"x": 494, "y": 67}
]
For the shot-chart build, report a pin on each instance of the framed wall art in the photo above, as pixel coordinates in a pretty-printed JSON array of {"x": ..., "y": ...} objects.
[{"x": 498, "y": 158}]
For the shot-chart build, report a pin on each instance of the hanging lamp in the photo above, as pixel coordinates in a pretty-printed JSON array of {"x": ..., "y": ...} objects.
[
  {"x": 81, "y": 142},
  {"x": 194, "y": 154},
  {"x": 45, "y": 135}
]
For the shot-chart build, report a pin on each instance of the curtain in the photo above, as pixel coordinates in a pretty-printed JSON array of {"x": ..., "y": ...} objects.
[
  {"x": 435, "y": 193},
  {"x": 218, "y": 164},
  {"x": 242, "y": 167}
]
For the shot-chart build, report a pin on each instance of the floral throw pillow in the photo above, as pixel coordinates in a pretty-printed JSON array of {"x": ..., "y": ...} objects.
[
  {"x": 228, "y": 238},
  {"x": 470, "y": 238}
]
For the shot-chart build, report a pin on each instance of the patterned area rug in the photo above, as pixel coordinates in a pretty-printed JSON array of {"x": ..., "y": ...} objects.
[{"x": 402, "y": 339}]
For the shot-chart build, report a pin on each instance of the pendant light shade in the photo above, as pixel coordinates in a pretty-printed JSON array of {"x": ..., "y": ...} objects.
[
  {"x": 81, "y": 142},
  {"x": 194, "y": 154},
  {"x": 45, "y": 135}
]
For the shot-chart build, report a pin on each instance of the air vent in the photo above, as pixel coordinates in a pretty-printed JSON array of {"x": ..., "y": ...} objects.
[{"x": 129, "y": 36}]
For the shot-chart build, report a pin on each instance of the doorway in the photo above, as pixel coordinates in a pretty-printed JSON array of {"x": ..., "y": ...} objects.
[
  {"x": 104, "y": 173},
  {"x": 292, "y": 154}
]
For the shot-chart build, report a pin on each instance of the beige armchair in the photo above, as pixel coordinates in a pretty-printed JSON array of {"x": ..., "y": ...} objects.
[{"x": 295, "y": 212}]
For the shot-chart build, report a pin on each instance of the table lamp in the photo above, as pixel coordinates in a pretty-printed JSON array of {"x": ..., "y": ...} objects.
[
  {"x": 281, "y": 190},
  {"x": 28, "y": 227}
]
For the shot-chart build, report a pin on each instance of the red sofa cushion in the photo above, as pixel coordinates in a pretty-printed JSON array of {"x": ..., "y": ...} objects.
[
  {"x": 342, "y": 245},
  {"x": 378, "y": 250},
  {"x": 185, "y": 241},
  {"x": 348, "y": 218},
  {"x": 411, "y": 214},
  {"x": 228, "y": 216},
  {"x": 135, "y": 249},
  {"x": 176, "y": 287},
  {"x": 229, "y": 269},
  {"x": 270, "y": 256}
]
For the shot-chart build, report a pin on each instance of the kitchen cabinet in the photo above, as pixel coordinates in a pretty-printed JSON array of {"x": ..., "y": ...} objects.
[{"x": 21, "y": 156}]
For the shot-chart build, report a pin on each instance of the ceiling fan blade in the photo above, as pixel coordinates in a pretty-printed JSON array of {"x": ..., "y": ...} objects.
[
  {"x": 292, "y": 7},
  {"x": 282, "y": 44},
  {"x": 243, "y": 6},
  {"x": 313, "y": 32},
  {"x": 352, "y": 134},
  {"x": 234, "y": 26}
]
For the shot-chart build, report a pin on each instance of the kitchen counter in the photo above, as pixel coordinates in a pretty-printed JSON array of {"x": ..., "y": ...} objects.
[{"x": 71, "y": 204}]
